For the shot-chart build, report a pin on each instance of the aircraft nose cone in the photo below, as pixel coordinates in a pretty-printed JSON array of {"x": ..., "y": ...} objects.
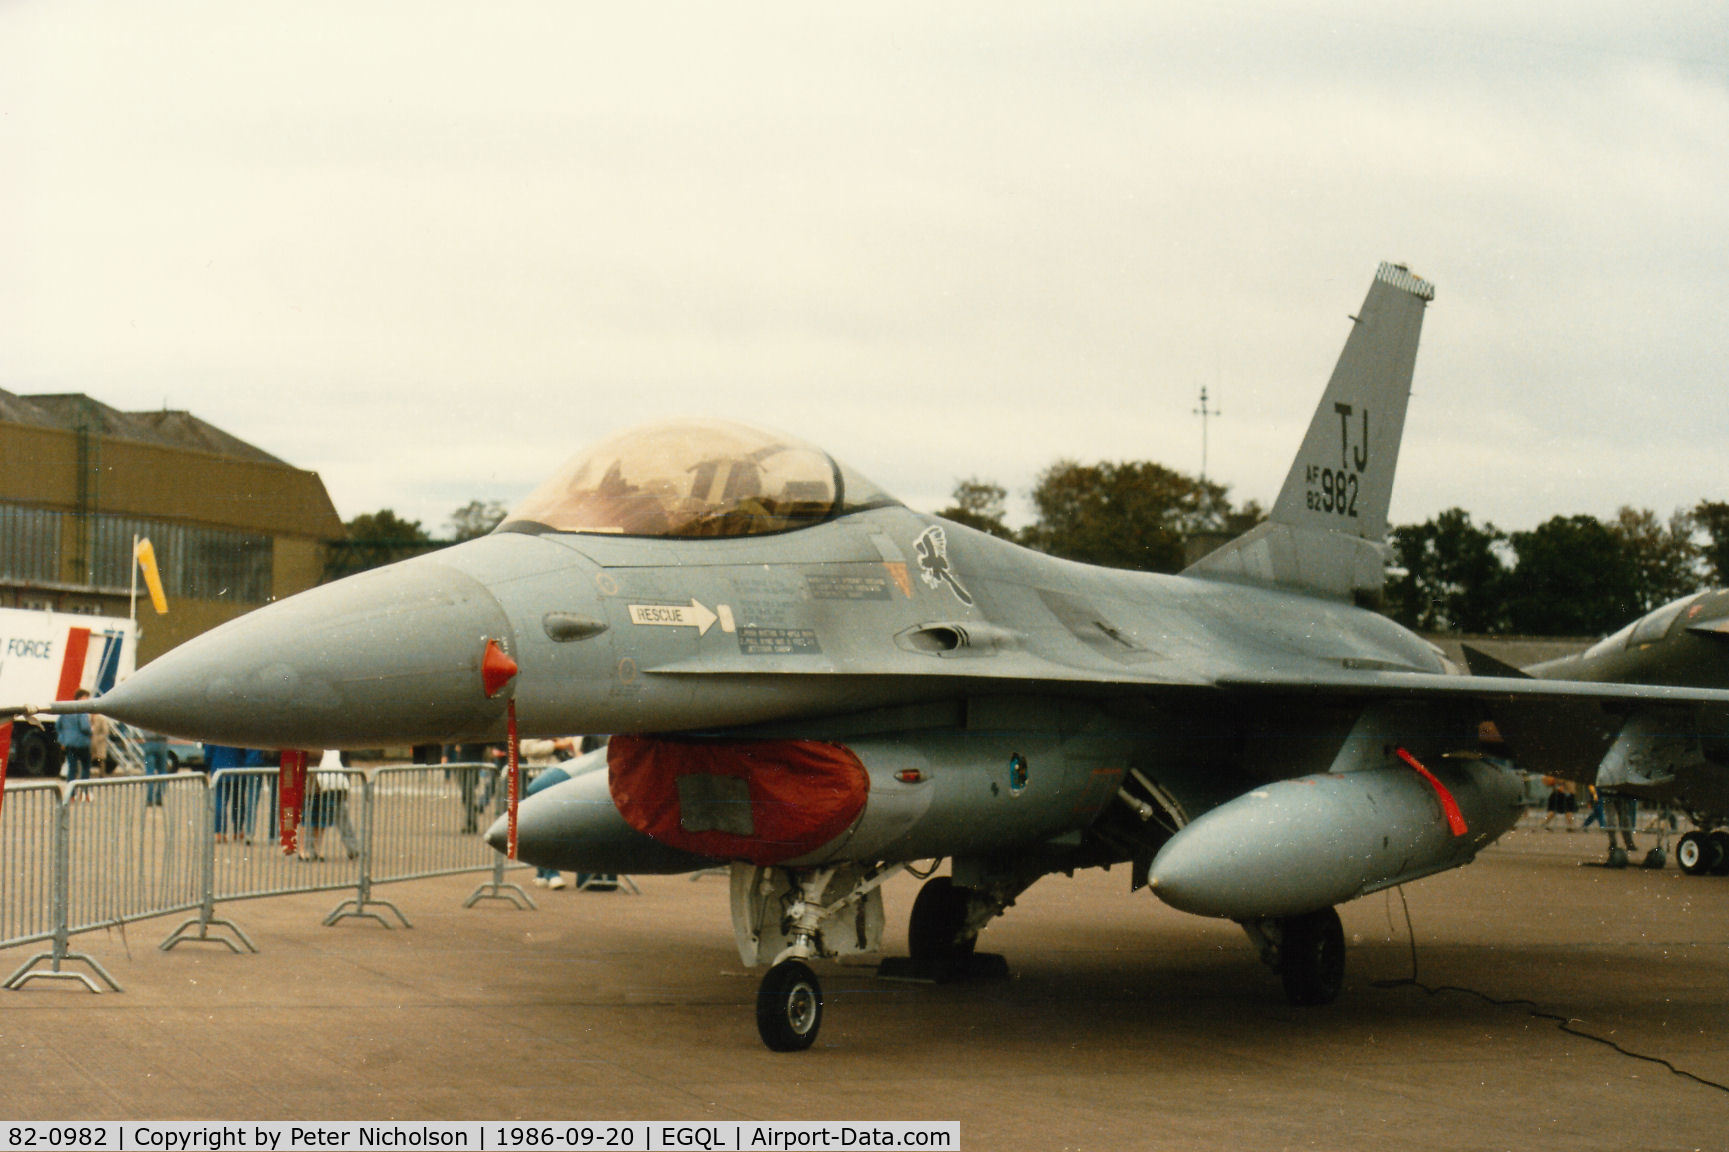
[{"x": 392, "y": 656}]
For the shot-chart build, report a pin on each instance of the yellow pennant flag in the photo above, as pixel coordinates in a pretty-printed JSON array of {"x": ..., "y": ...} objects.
[{"x": 145, "y": 555}]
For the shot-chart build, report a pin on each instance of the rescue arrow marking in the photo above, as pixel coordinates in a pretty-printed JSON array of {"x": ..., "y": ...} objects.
[{"x": 692, "y": 615}]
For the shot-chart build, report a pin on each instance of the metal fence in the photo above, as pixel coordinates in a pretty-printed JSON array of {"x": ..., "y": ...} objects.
[
  {"x": 29, "y": 829},
  {"x": 102, "y": 853}
]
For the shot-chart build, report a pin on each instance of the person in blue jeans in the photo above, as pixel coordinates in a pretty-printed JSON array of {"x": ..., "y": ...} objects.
[
  {"x": 216, "y": 758},
  {"x": 155, "y": 764},
  {"x": 243, "y": 794},
  {"x": 546, "y": 777},
  {"x": 73, "y": 732},
  {"x": 542, "y": 756}
]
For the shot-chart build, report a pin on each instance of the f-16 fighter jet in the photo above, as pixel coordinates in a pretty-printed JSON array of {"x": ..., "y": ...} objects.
[
  {"x": 817, "y": 686},
  {"x": 1669, "y": 754}
]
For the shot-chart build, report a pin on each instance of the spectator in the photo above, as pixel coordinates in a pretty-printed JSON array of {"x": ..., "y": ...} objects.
[
  {"x": 327, "y": 806},
  {"x": 243, "y": 793},
  {"x": 73, "y": 731},
  {"x": 1562, "y": 802},
  {"x": 99, "y": 765},
  {"x": 542, "y": 755},
  {"x": 1623, "y": 817},
  {"x": 474, "y": 761},
  {"x": 219, "y": 759},
  {"x": 155, "y": 764}
]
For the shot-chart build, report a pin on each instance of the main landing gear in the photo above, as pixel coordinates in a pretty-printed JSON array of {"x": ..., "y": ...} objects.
[
  {"x": 1307, "y": 951},
  {"x": 943, "y": 930},
  {"x": 1700, "y": 853},
  {"x": 939, "y": 940},
  {"x": 796, "y": 915}
]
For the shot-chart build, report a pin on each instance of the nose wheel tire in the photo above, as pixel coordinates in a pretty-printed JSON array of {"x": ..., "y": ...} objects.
[
  {"x": 1312, "y": 957},
  {"x": 789, "y": 1007}
]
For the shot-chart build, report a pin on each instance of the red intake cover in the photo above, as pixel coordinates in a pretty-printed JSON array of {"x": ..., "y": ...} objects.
[{"x": 757, "y": 801}]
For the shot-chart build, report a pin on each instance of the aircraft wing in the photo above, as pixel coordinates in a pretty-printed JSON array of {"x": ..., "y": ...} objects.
[
  {"x": 1552, "y": 727},
  {"x": 1345, "y": 683},
  {"x": 1490, "y": 689}
]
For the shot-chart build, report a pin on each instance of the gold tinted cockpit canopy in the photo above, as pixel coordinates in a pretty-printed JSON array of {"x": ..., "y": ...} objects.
[{"x": 693, "y": 478}]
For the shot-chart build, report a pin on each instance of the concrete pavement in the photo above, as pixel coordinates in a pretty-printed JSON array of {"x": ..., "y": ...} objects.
[{"x": 1126, "y": 1025}]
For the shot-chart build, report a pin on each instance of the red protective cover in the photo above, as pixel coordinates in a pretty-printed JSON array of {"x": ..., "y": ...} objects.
[{"x": 803, "y": 793}]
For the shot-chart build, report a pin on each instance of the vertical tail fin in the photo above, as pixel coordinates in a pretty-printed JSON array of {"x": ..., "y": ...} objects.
[{"x": 1326, "y": 529}]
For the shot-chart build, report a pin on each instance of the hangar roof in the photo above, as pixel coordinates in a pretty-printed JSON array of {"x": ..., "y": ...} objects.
[{"x": 168, "y": 428}]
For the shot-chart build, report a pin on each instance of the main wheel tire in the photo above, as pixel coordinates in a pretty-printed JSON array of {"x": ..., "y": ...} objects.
[
  {"x": 933, "y": 930},
  {"x": 34, "y": 752},
  {"x": 1312, "y": 957},
  {"x": 789, "y": 1007},
  {"x": 1719, "y": 848},
  {"x": 1693, "y": 854}
]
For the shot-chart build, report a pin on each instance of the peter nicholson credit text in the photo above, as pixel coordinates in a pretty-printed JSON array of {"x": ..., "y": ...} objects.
[{"x": 489, "y": 1136}]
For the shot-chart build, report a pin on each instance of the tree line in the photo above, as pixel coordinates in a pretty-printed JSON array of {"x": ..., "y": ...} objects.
[
  {"x": 1131, "y": 514},
  {"x": 374, "y": 539},
  {"x": 1569, "y": 576}
]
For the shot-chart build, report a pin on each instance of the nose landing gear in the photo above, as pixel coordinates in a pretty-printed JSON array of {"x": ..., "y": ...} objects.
[{"x": 796, "y": 915}]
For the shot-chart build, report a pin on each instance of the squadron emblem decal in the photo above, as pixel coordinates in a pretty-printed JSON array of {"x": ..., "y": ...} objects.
[{"x": 933, "y": 552}]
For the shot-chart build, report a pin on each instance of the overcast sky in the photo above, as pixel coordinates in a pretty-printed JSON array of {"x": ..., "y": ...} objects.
[{"x": 431, "y": 249}]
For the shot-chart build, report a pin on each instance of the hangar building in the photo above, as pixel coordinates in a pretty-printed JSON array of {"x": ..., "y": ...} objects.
[{"x": 233, "y": 527}]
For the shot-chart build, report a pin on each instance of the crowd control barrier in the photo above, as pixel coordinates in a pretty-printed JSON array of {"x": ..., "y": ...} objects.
[
  {"x": 28, "y": 828},
  {"x": 108, "y": 852}
]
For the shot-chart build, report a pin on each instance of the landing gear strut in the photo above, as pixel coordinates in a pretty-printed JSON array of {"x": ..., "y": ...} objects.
[
  {"x": 796, "y": 915},
  {"x": 1307, "y": 951},
  {"x": 1312, "y": 958}
]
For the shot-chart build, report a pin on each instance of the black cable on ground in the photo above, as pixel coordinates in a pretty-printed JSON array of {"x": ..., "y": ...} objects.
[{"x": 1563, "y": 1023}]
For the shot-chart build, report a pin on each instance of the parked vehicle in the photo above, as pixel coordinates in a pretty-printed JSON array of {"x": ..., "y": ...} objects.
[{"x": 48, "y": 656}]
